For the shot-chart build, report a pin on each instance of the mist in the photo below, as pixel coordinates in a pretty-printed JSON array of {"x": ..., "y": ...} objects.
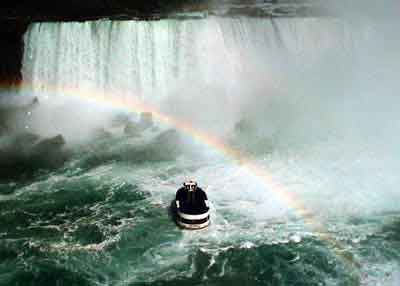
[{"x": 312, "y": 99}]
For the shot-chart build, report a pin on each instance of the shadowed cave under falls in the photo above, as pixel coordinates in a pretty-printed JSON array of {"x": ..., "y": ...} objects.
[{"x": 311, "y": 102}]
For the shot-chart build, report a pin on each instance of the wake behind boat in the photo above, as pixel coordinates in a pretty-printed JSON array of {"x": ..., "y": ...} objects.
[{"x": 191, "y": 209}]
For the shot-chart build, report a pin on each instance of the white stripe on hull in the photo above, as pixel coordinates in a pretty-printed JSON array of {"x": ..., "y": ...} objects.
[
  {"x": 193, "y": 226},
  {"x": 193, "y": 217}
]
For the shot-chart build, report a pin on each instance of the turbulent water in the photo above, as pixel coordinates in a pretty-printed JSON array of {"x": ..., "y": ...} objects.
[{"x": 314, "y": 105}]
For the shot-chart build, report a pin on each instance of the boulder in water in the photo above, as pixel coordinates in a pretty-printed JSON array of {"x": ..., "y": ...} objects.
[
  {"x": 101, "y": 133},
  {"x": 49, "y": 144},
  {"x": 146, "y": 120},
  {"x": 3, "y": 129},
  {"x": 166, "y": 146},
  {"x": 25, "y": 140},
  {"x": 120, "y": 119},
  {"x": 132, "y": 129},
  {"x": 26, "y": 153},
  {"x": 243, "y": 127}
]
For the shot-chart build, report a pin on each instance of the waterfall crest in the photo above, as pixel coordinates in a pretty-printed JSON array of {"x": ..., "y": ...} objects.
[{"x": 149, "y": 59}]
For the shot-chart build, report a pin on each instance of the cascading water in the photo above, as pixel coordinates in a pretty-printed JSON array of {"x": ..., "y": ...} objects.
[
  {"x": 148, "y": 59},
  {"x": 306, "y": 90}
]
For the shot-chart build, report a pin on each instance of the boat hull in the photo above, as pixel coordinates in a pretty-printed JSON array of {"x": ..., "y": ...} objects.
[{"x": 193, "y": 220}]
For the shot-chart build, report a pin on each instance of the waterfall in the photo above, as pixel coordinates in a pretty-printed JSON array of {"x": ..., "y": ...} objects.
[{"x": 150, "y": 59}]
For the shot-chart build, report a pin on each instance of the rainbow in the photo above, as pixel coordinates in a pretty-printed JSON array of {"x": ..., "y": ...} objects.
[{"x": 288, "y": 198}]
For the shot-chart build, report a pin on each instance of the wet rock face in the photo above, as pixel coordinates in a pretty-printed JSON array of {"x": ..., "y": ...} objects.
[
  {"x": 45, "y": 10},
  {"x": 11, "y": 51}
]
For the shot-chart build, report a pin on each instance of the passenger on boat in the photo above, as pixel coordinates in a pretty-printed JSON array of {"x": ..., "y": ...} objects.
[{"x": 191, "y": 199}]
